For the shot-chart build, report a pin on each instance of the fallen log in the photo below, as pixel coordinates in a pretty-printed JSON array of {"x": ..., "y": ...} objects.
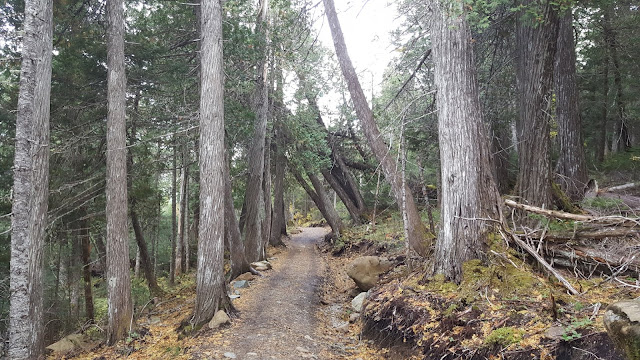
[
  {"x": 621, "y": 187},
  {"x": 588, "y": 234},
  {"x": 604, "y": 220},
  {"x": 593, "y": 259}
]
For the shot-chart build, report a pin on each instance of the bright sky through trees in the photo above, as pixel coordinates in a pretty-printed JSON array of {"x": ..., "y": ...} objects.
[{"x": 366, "y": 25}]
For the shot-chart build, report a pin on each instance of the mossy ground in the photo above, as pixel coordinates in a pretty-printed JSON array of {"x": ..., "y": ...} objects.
[{"x": 502, "y": 309}]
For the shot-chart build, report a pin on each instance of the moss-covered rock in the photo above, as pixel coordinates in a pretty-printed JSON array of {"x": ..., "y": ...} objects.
[{"x": 622, "y": 321}]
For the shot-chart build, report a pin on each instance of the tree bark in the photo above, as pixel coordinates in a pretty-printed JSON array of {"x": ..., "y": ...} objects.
[
  {"x": 180, "y": 247},
  {"x": 534, "y": 69},
  {"x": 210, "y": 284},
  {"x": 120, "y": 305},
  {"x": 469, "y": 192},
  {"x": 354, "y": 212},
  {"x": 602, "y": 136},
  {"x": 338, "y": 176},
  {"x": 101, "y": 249},
  {"x": 500, "y": 146},
  {"x": 418, "y": 237},
  {"x": 145, "y": 259},
  {"x": 268, "y": 207},
  {"x": 239, "y": 263},
  {"x": 174, "y": 222},
  {"x": 321, "y": 200},
  {"x": 254, "y": 192},
  {"x": 278, "y": 218},
  {"x": 571, "y": 167},
  {"x": 622, "y": 141},
  {"x": 31, "y": 184},
  {"x": 86, "y": 270}
]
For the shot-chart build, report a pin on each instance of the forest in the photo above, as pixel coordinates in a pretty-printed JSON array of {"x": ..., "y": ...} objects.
[{"x": 156, "y": 154}]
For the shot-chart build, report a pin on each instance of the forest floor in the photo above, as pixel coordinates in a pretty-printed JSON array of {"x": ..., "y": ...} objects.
[
  {"x": 293, "y": 311},
  {"x": 504, "y": 309}
]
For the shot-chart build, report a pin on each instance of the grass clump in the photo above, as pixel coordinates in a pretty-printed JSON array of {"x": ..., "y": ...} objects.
[{"x": 503, "y": 337}]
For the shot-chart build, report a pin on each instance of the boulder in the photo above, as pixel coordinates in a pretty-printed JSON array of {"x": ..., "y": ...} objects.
[
  {"x": 356, "y": 303},
  {"x": 622, "y": 321},
  {"x": 240, "y": 284},
  {"x": 366, "y": 270},
  {"x": 69, "y": 343},
  {"x": 261, "y": 265},
  {"x": 220, "y": 318},
  {"x": 246, "y": 276}
]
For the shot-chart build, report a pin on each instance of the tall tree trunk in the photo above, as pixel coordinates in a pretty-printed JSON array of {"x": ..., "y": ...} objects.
[
  {"x": 136, "y": 267},
  {"x": 30, "y": 184},
  {"x": 338, "y": 176},
  {"x": 320, "y": 198},
  {"x": 86, "y": 270},
  {"x": 101, "y": 249},
  {"x": 254, "y": 197},
  {"x": 534, "y": 70},
  {"x": 74, "y": 279},
  {"x": 187, "y": 227},
  {"x": 469, "y": 192},
  {"x": 210, "y": 284},
  {"x": 571, "y": 166},
  {"x": 621, "y": 140},
  {"x": 118, "y": 279},
  {"x": 268, "y": 207},
  {"x": 180, "y": 247},
  {"x": 145, "y": 259},
  {"x": 418, "y": 236},
  {"x": 278, "y": 218},
  {"x": 354, "y": 212},
  {"x": 602, "y": 136},
  {"x": 239, "y": 263},
  {"x": 501, "y": 146},
  {"x": 174, "y": 221}
]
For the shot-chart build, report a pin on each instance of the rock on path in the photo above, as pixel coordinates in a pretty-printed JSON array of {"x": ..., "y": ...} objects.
[{"x": 277, "y": 314}]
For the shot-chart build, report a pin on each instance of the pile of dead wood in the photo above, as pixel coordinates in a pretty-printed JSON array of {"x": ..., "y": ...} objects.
[{"x": 587, "y": 244}]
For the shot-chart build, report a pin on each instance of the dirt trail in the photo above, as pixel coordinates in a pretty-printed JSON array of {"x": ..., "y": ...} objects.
[{"x": 277, "y": 315}]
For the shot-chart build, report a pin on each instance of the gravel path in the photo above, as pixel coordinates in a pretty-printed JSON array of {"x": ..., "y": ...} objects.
[{"x": 277, "y": 314}]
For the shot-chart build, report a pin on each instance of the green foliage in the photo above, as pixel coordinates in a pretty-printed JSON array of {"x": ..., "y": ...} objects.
[
  {"x": 503, "y": 337},
  {"x": 628, "y": 161},
  {"x": 571, "y": 330},
  {"x": 101, "y": 309},
  {"x": 139, "y": 292},
  {"x": 603, "y": 203}
]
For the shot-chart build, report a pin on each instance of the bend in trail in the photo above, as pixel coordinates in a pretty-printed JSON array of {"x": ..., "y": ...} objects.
[{"x": 277, "y": 318}]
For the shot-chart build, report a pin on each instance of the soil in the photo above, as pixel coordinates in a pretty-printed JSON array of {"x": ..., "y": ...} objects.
[
  {"x": 301, "y": 309},
  {"x": 277, "y": 314}
]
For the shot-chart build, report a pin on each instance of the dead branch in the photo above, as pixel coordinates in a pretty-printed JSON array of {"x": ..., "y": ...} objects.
[
  {"x": 570, "y": 256},
  {"x": 593, "y": 234},
  {"x": 622, "y": 187},
  {"x": 541, "y": 260},
  {"x": 605, "y": 220}
]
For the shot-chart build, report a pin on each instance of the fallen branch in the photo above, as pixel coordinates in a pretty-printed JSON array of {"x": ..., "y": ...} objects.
[
  {"x": 588, "y": 234},
  {"x": 541, "y": 260},
  {"x": 591, "y": 257},
  {"x": 622, "y": 187},
  {"x": 606, "y": 220}
]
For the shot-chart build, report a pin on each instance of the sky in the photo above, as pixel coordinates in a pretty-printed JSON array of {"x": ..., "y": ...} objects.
[{"x": 366, "y": 25}]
